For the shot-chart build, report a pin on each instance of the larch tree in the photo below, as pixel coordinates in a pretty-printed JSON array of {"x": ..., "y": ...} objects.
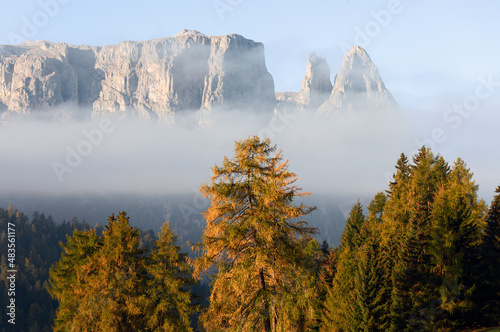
[
  {"x": 109, "y": 283},
  {"x": 120, "y": 277},
  {"x": 69, "y": 277},
  {"x": 252, "y": 238}
]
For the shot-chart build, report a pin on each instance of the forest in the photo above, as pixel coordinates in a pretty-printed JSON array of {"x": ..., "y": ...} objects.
[{"x": 423, "y": 255}]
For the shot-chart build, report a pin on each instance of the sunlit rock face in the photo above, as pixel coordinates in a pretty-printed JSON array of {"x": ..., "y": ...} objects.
[
  {"x": 316, "y": 84},
  {"x": 357, "y": 86},
  {"x": 153, "y": 79}
]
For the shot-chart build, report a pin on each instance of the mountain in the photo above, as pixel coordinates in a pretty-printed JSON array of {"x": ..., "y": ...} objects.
[
  {"x": 157, "y": 79},
  {"x": 357, "y": 86},
  {"x": 316, "y": 84},
  {"x": 154, "y": 78}
]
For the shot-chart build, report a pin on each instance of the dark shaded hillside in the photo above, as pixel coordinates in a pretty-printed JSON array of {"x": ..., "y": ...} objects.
[
  {"x": 182, "y": 211},
  {"x": 36, "y": 249}
]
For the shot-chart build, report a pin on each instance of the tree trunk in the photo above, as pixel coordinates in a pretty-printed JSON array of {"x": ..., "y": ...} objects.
[{"x": 265, "y": 303}]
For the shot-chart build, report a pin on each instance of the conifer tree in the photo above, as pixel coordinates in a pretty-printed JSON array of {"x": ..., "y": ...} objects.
[
  {"x": 454, "y": 236},
  {"x": 108, "y": 283},
  {"x": 396, "y": 207},
  {"x": 400, "y": 177},
  {"x": 69, "y": 277},
  {"x": 169, "y": 301},
  {"x": 416, "y": 265},
  {"x": 351, "y": 237},
  {"x": 340, "y": 311},
  {"x": 120, "y": 278},
  {"x": 376, "y": 207},
  {"x": 252, "y": 238},
  {"x": 488, "y": 294}
]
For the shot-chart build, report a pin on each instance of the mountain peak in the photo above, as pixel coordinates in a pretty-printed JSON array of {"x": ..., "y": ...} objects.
[
  {"x": 358, "y": 85},
  {"x": 153, "y": 78},
  {"x": 358, "y": 57},
  {"x": 189, "y": 32},
  {"x": 357, "y": 50},
  {"x": 316, "y": 84}
]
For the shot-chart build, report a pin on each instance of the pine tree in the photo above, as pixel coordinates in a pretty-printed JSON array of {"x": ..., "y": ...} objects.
[
  {"x": 400, "y": 178},
  {"x": 396, "y": 207},
  {"x": 69, "y": 277},
  {"x": 169, "y": 301},
  {"x": 251, "y": 237},
  {"x": 453, "y": 246},
  {"x": 351, "y": 237},
  {"x": 488, "y": 294},
  {"x": 340, "y": 312},
  {"x": 413, "y": 283},
  {"x": 376, "y": 207},
  {"x": 120, "y": 279},
  {"x": 416, "y": 265},
  {"x": 371, "y": 283},
  {"x": 109, "y": 283}
]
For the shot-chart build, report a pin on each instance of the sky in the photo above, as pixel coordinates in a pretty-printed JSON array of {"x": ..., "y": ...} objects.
[{"x": 432, "y": 55}]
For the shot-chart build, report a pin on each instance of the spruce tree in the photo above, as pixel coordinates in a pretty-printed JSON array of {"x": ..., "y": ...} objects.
[
  {"x": 69, "y": 278},
  {"x": 376, "y": 207},
  {"x": 351, "y": 237},
  {"x": 371, "y": 286},
  {"x": 340, "y": 311},
  {"x": 252, "y": 239},
  {"x": 120, "y": 278},
  {"x": 109, "y": 283},
  {"x": 488, "y": 294},
  {"x": 168, "y": 301}
]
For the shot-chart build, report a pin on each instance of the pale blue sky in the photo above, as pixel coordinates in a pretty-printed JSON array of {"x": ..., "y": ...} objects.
[
  {"x": 443, "y": 40},
  {"x": 431, "y": 54}
]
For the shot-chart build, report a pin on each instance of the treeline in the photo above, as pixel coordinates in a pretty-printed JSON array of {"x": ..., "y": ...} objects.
[
  {"x": 37, "y": 248},
  {"x": 425, "y": 257}
]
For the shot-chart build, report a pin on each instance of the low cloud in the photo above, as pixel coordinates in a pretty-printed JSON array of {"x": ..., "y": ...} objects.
[{"x": 351, "y": 154}]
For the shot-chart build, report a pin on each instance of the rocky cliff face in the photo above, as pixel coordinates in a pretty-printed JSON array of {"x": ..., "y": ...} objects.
[
  {"x": 155, "y": 78},
  {"x": 36, "y": 77},
  {"x": 316, "y": 84},
  {"x": 358, "y": 86},
  {"x": 188, "y": 72}
]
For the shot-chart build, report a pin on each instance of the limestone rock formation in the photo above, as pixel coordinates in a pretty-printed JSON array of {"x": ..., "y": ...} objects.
[
  {"x": 316, "y": 84},
  {"x": 36, "y": 77},
  {"x": 316, "y": 88},
  {"x": 155, "y": 78},
  {"x": 358, "y": 86}
]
